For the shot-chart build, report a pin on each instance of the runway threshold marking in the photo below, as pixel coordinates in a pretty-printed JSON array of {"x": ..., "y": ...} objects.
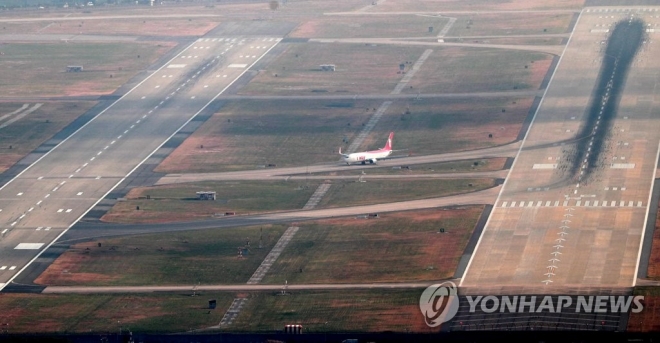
[{"x": 516, "y": 159}]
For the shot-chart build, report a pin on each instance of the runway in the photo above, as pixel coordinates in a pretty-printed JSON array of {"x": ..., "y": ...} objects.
[
  {"x": 549, "y": 231},
  {"x": 47, "y": 198}
]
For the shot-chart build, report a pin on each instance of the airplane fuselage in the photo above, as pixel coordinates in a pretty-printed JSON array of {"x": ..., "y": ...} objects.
[{"x": 367, "y": 156}]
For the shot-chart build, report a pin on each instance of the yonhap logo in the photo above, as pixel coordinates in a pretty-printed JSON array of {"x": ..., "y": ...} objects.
[{"x": 439, "y": 303}]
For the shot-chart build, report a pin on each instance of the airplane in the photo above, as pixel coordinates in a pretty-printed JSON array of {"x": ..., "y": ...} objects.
[{"x": 369, "y": 156}]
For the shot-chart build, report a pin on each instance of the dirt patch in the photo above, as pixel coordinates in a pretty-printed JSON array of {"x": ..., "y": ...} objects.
[{"x": 66, "y": 268}]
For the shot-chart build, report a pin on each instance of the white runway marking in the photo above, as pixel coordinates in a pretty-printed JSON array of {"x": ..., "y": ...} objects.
[
  {"x": 544, "y": 166},
  {"x": 60, "y": 210},
  {"x": 29, "y": 246},
  {"x": 79, "y": 193},
  {"x": 39, "y": 202},
  {"x": 40, "y": 177},
  {"x": 144, "y": 97},
  {"x": 12, "y": 267},
  {"x": 31, "y": 208},
  {"x": 48, "y": 228},
  {"x": 3, "y": 267},
  {"x": 19, "y": 194},
  {"x": 39, "y": 228},
  {"x": 68, "y": 210}
]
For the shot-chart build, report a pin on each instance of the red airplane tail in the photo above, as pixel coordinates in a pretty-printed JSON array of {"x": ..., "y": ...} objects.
[{"x": 388, "y": 145}]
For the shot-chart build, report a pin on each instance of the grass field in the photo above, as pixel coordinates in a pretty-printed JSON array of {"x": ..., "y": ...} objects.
[
  {"x": 370, "y": 26},
  {"x": 474, "y": 5},
  {"x": 480, "y": 165},
  {"x": 493, "y": 24},
  {"x": 28, "y": 133},
  {"x": 351, "y": 193},
  {"x": 247, "y": 134},
  {"x": 360, "y": 69},
  {"x": 41, "y": 67},
  {"x": 368, "y": 69},
  {"x": 457, "y": 70},
  {"x": 150, "y": 313},
  {"x": 185, "y": 258},
  {"x": 334, "y": 311},
  {"x": 397, "y": 247},
  {"x": 434, "y": 126},
  {"x": 178, "y": 202}
]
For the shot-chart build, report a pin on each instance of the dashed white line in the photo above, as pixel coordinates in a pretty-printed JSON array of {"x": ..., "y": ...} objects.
[
  {"x": 19, "y": 194},
  {"x": 68, "y": 210},
  {"x": 47, "y": 195},
  {"x": 60, "y": 210},
  {"x": 39, "y": 202},
  {"x": 79, "y": 193},
  {"x": 31, "y": 208}
]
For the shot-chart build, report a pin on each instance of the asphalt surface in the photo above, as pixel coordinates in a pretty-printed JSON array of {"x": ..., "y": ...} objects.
[
  {"x": 47, "y": 198},
  {"x": 544, "y": 235}
]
